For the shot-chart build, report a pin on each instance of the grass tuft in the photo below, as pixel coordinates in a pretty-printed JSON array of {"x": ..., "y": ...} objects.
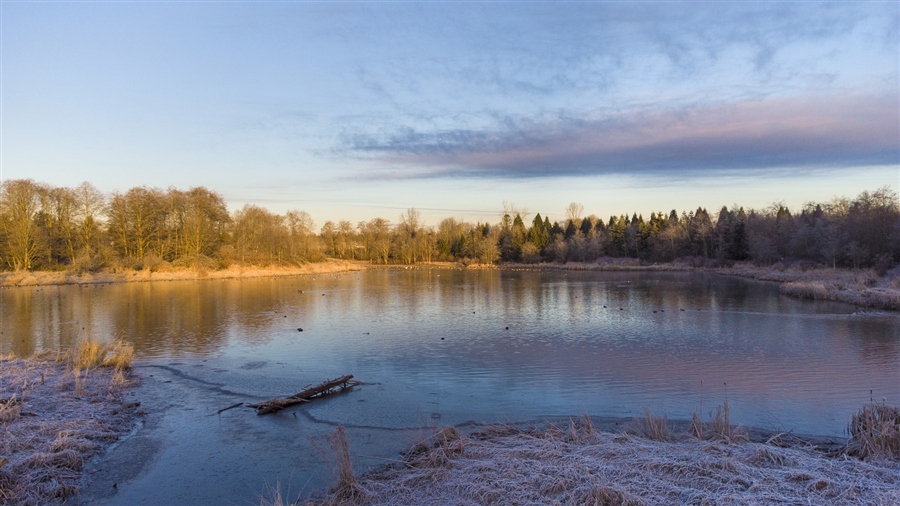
[
  {"x": 610, "y": 496},
  {"x": 88, "y": 354},
  {"x": 67, "y": 459},
  {"x": 437, "y": 449},
  {"x": 348, "y": 490},
  {"x": 653, "y": 427},
  {"x": 9, "y": 409},
  {"x": 696, "y": 426},
  {"x": 875, "y": 433},
  {"x": 721, "y": 425},
  {"x": 120, "y": 355}
]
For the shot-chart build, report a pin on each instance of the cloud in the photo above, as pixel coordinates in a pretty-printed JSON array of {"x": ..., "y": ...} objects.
[{"x": 774, "y": 133}]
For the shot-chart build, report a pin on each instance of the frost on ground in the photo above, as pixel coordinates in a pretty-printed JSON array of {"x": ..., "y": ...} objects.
[
  {"x": 576, "y": 465},
  {"x": 52, "y": 419}
]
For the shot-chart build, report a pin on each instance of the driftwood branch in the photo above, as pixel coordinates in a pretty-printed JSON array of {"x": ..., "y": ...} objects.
[
  {"x": 325, "y": 388},
  {"x": 219, "y": 412}
]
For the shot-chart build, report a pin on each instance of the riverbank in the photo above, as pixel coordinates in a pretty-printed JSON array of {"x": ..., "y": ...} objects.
[
  {"x": 606, "y": 264},
  {"x": 861, "y": 287},
  {"x": 43, "y": 278},
  {"x": 575, "y": 463},
  {"x": 56, "y": 412}
]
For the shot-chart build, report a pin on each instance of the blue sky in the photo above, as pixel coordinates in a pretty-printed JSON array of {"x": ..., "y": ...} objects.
[{"x": 351, "y": 110}]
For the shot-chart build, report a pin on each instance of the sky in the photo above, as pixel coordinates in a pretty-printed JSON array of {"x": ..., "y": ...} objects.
[{"x": 356, "y": 110}]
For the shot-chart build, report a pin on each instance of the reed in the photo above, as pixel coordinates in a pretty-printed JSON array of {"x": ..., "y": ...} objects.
[
  {"x": 119, "y": 355},
  {"x": 653, "y": 427},
  {"x": 348, "y": 490},
  {"x": 88, "y": 354},
  {"x": 875, "y": 432}
]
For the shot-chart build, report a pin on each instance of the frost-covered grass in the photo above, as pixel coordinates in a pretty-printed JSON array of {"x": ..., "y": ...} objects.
[
  {"x": 575, "y": 464},
  {"x": 862, "y": 287},
  {"x": 56, "y": 411},
  {"x": 875, "y": 432}
]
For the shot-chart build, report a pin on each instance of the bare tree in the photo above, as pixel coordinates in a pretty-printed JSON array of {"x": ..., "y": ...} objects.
[
  {"x": 20, "y": 201},
  {"x": 574, "y": 211},
  {"x": 91, "y": 203},
  {"x": 302, "y": 238}
]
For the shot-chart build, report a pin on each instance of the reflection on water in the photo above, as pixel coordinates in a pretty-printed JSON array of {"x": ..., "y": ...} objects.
[{"x": 497, "y": 345}]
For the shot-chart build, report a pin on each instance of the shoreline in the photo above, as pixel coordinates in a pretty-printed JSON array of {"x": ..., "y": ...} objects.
[
  {"x": 53, "y": 420},
  {"x": 49, "y": 278},
  {"x": 55, "y": 432},
  {"x": 577, "y": 462},
  {"x": 862, "y": 288}
]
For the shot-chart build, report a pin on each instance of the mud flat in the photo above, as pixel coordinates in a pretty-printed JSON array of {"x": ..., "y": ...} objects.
[{"x": 52, "y": 420}]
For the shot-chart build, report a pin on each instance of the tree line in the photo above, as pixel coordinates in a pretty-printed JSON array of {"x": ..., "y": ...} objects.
[{"x": 82, "y": 229}]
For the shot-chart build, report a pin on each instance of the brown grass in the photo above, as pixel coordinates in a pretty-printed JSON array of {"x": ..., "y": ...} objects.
[
  {"x": 119, "y": 355},
  {"x": 88, "y": 354},
  {"x": 718, "y": 427},
  {"x": 653, "y": 427},
  {"x": 437, "y": 449},
  {"x": 42, "y": 278},
  {"x": 875, "y": 433},
  {"x": 68, "y": 422},
  {"x": 348, "y": 490},
  {"x": 697, "y": 426},
  {"x": 9, "y": 409}
]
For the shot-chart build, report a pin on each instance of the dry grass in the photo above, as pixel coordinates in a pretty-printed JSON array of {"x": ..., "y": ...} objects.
[
  {"x": 9, "y": 409},
  {"x": 136, "y": 275},
  {"x": 88, "y": 354},
  {"x": 506, "y": 465},
  {"x": 437, "y": 449},
  {"x": 652, "y": 427},
  {"x": 875, "y": 432},
  {"x": 718, "y": 427},
  {"x": 119, "y": 355},
  {"x": 861, "y": 287},
  {"x": 69, "y": 418},
  {"x": 348, "y": 490}
]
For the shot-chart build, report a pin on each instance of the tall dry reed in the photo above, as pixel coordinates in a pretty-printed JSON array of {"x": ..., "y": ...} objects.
[
  {"x": 348, "y": 490},
  {"x": 875, "y": 432},
  {"x": 653, "y": 427}
]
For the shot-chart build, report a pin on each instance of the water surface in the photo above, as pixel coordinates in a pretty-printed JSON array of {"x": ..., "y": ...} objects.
[{"x": 442, "y": 346}]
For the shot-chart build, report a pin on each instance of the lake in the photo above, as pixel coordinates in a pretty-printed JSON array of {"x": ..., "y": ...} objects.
[{"x": 443, "y": 346}]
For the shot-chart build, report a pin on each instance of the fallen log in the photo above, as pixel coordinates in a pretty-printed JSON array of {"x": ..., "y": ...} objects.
[{"x": 325, "y": 388}]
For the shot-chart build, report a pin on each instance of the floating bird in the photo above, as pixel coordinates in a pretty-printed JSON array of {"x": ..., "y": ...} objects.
[{"x": 299, "y": 329}]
